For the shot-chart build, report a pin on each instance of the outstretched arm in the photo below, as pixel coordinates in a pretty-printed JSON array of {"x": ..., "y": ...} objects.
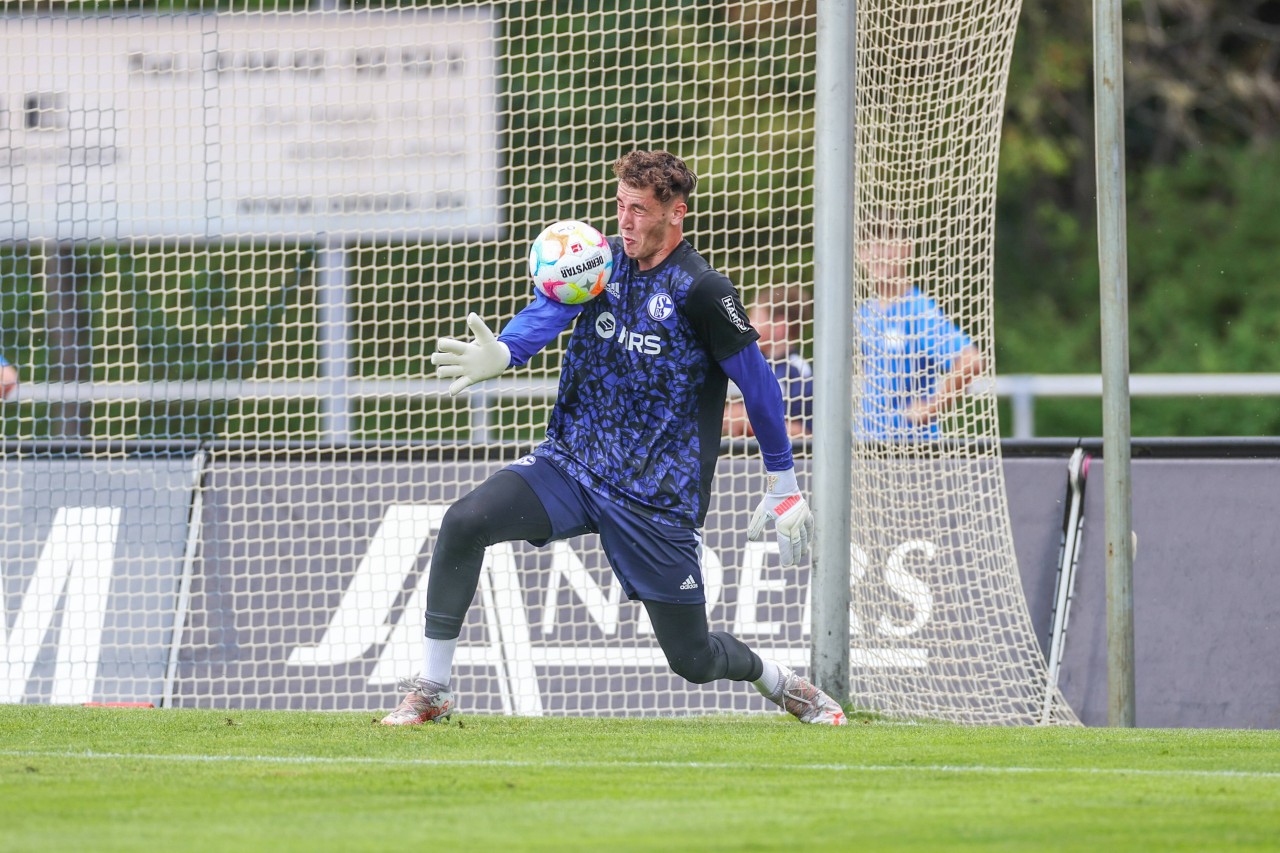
[
  {"x": 484, "y": 357},
  {"x": 538, "y": 324}
]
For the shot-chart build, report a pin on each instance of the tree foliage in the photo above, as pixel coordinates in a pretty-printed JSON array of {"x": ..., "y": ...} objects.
[{"x": 1203, "y": 165}]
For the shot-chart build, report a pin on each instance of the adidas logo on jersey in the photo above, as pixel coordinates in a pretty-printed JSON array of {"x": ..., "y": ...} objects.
[{"x": 689, "y": 583}]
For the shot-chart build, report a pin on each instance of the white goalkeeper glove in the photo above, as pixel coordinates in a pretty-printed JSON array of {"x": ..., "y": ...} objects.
[
  {"x": 791, "y": 516},
  {"x": 469, "y": 362}
]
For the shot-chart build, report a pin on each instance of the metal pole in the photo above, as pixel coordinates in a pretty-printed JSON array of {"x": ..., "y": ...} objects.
[
  {"x": 833, "y": 348},
  {"x": 335, "y": 322},
  {"x": 333, "y": 276},
  {"x": 68, "y": 334},
  {"x": 1108, "y": 82}
]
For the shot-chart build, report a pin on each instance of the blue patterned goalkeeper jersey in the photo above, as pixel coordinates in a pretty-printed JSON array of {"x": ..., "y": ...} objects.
[{"x": 640, "y": 406}]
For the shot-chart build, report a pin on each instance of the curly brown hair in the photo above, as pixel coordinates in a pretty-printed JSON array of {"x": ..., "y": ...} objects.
[{"x": 663, "y": 172}]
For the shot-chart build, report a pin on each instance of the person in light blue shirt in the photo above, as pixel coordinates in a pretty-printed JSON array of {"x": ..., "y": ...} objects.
[{"x": 915, "y": 362}]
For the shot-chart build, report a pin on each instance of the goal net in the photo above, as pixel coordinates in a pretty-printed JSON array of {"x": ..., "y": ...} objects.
[
  {"x": 929, "y": 507},
  {"x": 230, "y": 234}
]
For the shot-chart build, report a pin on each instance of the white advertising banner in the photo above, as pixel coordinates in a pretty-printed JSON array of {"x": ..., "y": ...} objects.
[{"x": 343, "y": 125}]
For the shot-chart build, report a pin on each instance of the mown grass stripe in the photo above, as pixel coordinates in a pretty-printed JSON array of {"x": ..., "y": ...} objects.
[{"x": 690, "y": 765}]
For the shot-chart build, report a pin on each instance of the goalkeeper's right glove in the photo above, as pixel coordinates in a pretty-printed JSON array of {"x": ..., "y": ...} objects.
[{"x": 470, "y": 362}]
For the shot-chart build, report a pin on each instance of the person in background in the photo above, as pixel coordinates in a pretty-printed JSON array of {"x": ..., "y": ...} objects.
[
  {"x": 8, "y": 378},
  {"x": 915, "y": 361},
  {"x": 778, "y": 318}
]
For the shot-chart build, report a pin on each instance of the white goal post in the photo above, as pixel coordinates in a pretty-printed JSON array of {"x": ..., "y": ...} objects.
[{"x": 264, "y": 212}]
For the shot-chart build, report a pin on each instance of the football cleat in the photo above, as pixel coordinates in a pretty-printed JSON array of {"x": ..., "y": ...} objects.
[
  {"x": 422, "y": 704},
  {"x": 799, "y": 697}
]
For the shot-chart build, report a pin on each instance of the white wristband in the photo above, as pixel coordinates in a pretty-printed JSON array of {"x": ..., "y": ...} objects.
[{"x": 782, "y": 482}]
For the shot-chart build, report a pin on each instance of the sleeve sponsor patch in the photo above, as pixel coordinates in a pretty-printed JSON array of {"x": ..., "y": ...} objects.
[{"x": 734, "y": 313}]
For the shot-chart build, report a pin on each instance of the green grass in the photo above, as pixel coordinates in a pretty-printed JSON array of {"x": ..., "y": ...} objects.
[{"x": 126, "y": 779}]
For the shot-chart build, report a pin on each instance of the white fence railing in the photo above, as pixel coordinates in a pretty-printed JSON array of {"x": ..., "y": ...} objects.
[{"x": 1022, "y": 390}]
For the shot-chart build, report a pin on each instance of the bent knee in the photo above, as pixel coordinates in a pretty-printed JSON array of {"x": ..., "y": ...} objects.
[
  {"x": 696, "y": 668},
  {"x": 694, "y": 673},
  {"x": 466, "y": 522}
]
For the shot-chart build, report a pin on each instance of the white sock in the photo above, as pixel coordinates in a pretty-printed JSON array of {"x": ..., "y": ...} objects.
[
  {"x": 437, "y": 660},
  {"x": 770, "y": 681}
]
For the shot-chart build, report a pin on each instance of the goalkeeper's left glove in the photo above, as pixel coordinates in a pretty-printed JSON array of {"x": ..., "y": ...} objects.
[
  {"x": 469, "y": 362},
  {"x": 790, "y": 513}
]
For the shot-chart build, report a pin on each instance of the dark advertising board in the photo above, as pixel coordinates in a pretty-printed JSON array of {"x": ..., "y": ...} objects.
[
  {"x": 299, "y": 582},
  {"x": 311, "y": 584},
  {"x": 310, "y": 589},
  {"x": 93, "y": 557}
]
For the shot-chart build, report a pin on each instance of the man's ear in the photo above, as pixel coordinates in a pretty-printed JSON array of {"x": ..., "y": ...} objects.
[{"x": 678, "y": 210}]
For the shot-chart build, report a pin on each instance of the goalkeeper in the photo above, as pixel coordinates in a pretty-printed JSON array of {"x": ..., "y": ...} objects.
[{"x": 630, "y": 449}]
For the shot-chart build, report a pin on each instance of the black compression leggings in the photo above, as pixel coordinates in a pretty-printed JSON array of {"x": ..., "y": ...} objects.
[
  {"x": 501, "y": 509},
  {"x": 505, "y": 508}
]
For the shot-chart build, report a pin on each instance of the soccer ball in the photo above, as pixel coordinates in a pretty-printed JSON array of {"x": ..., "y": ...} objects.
[{"x": 570, "y": 262}]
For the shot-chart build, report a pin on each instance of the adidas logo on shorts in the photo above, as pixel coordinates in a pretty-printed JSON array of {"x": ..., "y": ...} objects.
[{"x": 689, "y": 583}]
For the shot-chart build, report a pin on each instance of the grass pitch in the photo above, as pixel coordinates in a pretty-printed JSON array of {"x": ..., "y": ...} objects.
[{"x": 126, "y": 779}]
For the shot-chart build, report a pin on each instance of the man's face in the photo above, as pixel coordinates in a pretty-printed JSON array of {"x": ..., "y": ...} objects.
[
  {"x": 886, "y": 261},
  {"x": 645, "y": 224}
]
